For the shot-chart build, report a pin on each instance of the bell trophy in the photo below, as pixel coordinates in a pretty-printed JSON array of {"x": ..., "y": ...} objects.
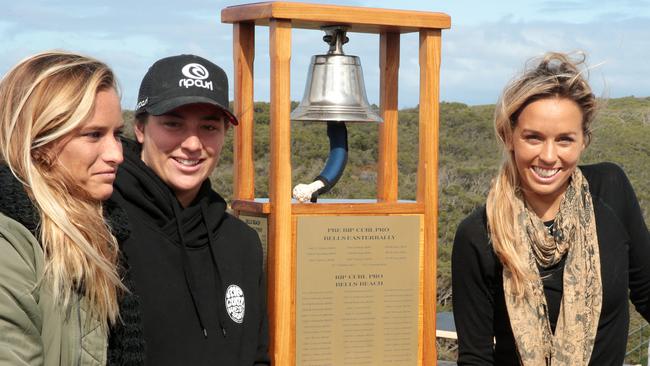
[{"x": 350, "y": 282}]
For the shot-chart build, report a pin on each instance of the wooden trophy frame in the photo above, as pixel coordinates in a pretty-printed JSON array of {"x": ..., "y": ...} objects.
[{"x": 281, "y": 18}]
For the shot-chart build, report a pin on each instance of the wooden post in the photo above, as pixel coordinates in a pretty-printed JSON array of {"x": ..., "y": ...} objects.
[
  {"x": 281, "y": 258},
  {"x": 428, "y": 180},
  {"x": 243, "y": 57},
  {"x": 387, "y": 173}
]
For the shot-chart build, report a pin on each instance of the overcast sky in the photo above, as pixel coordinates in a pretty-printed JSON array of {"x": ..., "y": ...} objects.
[{"x": 488, "y": 43}]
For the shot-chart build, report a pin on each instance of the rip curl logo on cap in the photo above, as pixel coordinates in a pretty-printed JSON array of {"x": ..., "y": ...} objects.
[
  {"x": 195, "y": 71},
  {"x": 196, "y": 75},
  {"x": 235, "y": 303}
]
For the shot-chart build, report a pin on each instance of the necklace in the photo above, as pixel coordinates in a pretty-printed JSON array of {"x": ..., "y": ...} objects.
[{"x": 550, "y": 227}]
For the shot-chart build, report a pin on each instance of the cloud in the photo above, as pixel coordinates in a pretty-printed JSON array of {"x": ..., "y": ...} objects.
[
  {"x": 478, "y": 57},
  {"x": 128, "y": 35},
  {"x": 624, "y": 6},
  {"x": 479, "y": 60}
]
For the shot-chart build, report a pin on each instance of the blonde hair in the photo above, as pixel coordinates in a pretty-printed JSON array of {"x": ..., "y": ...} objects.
[
  {"x": 42, "y": 100},
  {"x": 555, "y": 75}
]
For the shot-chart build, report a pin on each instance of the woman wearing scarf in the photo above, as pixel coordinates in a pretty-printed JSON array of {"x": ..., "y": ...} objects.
[
  {"x": 541, "y": 273},
  {"x": 60, "y": 127}
]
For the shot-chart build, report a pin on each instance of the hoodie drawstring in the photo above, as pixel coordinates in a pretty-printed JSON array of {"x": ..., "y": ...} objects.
[
  {"x": 189, "y": 278},
  {"x": 212, "y": 245}
]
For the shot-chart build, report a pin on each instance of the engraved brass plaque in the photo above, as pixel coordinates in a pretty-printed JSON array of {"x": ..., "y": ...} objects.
[
  {"x": 357, "y": 290},
  {"x": 259, "y": 224}
]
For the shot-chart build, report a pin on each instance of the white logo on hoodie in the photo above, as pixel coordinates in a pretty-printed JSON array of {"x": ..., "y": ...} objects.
[{"x": 235, "y": 303}]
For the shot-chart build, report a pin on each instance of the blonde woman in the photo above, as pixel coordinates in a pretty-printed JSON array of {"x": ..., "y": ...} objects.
[
  {"x": 541, "y": 273},
  {"x": 60, "y": 122}
]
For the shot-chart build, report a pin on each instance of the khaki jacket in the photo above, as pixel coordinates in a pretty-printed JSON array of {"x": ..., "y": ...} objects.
[{"x": 33, "y": 329}]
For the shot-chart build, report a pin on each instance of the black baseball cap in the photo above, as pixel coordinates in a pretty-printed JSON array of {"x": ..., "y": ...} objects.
[{"x": 175, "y": 81}]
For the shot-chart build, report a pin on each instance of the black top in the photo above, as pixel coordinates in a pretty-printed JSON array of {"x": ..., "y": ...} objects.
[
  {"x": 553, "y": 287},
  {"x": 197, "y": 271},
  {"x": 484, "y": 332}
]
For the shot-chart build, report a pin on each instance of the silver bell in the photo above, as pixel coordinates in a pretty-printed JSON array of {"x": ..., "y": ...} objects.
[{"x": 335, "y": 90}]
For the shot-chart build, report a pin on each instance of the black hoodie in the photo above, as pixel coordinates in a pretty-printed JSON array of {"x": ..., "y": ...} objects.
[{"x": 197, "y": 271}]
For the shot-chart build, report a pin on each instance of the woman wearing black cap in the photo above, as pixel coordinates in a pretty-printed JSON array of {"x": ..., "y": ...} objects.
[{"x": 197, "y": 269}]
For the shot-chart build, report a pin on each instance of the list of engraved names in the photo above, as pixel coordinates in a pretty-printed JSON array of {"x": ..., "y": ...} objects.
[{"x": 357, "y": 290}]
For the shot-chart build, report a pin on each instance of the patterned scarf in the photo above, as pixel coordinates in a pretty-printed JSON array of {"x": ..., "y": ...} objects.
[{"x": 574, "y": 234}]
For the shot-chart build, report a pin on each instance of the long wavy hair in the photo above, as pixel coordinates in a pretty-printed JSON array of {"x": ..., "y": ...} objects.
[
  {"x": 42, "y": 100},
  {"x": 554, "y": 75}
]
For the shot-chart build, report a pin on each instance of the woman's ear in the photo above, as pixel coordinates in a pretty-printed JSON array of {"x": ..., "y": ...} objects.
[
  {"x": 138, "y": 128},
  {"x": 44, "y": 156}
]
